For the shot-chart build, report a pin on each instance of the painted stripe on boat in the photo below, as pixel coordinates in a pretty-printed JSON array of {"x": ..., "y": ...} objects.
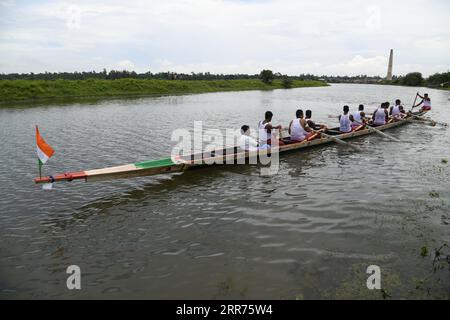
[{"x": 155, "y": 163}]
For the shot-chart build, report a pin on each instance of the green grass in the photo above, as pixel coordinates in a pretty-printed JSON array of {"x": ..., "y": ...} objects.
[{"x": 25, "y": 90}]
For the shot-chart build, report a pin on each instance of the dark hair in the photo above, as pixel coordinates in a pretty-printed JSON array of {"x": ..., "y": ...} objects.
[
  {"x": 426, "y": 94},
  {"x": 244, "y": 128},
  {"x": 387, "y": 104},
  {"x": 346, "y": 108},
  {"x": 383, "y": 104},
  {"x": 308, "y": 113},
  {"x": 299, "y": 113},
  {"x": 268, "y": 115},
  {"x": 397, "y": 101},
  {"x": 361, "y": 107}
]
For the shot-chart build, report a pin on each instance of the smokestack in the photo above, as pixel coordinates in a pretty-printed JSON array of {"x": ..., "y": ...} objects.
[{"x": 391, "y": 60}]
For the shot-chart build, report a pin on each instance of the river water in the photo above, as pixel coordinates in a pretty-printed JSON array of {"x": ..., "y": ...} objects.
[{"x": 308, "y": 232}]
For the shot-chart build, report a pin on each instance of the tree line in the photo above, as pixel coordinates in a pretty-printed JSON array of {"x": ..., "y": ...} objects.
[
  {"x": 416, "y": 79},
  {"x": 121, "y": 74},
  {"x": 267, "y": 76}
]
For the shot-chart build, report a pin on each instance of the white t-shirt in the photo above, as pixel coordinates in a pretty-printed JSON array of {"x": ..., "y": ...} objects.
[
  {"x": 263, "y": 134},
  {"x": 345, "y": 124},
  {"x": 247, "y": 143}
]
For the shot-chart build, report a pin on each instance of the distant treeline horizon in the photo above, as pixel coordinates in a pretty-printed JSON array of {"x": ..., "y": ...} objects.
[{"x": 411, "y": 79}]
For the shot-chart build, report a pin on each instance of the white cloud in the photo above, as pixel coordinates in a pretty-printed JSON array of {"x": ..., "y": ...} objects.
[
  {"x": 7, "y": 3},
  {"x": 323, "y": 36},
  {"x": 125, "y": 65}
]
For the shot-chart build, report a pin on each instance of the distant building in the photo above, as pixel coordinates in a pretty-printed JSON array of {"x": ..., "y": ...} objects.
[{"x": 391, "y": 60}]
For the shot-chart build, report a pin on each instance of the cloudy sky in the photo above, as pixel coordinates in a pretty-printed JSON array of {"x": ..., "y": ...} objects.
[{"x": 345, "y": 37}]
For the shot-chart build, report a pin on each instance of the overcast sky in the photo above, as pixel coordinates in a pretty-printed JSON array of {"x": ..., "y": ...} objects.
[{"x": 346, "y": 37}]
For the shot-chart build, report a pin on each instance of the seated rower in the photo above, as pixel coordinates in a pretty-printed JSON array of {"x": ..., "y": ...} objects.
[
  {"x": 265, "y": 130},
  {"x": 387, "y": 104},
  {"x": 397, "y": 111},
  {"x": 312, "y": 124},
  {"x": 426, "y": 101},
  {"x": 247, "y": 143},
  {"x": 381, "y": 115},
  {"x": 298, "y": 128},
  {"x": 345, "y": 120},
  {"x": 359, "y": 117}
]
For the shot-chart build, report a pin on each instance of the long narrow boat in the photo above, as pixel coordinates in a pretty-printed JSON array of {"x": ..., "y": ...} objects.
[{"x": 233, "y": 154}]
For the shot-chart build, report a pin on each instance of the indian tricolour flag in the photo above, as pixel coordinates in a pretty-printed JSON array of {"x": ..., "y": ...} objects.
[{"x": 44, "y": 151}]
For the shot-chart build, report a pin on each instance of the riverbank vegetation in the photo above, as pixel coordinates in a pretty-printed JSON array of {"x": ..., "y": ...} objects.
[
  {"x": 27, "y": 89},
  {"x": 113, "y": 84},
  {"x": 415, "y": 79}
]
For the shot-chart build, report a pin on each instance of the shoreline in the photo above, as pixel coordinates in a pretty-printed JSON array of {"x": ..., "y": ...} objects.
[
  {"x": 394, "y": 84},
  {"x": 19, "y": 92}
]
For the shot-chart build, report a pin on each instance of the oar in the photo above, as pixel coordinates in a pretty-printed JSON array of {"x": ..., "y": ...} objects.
[
  {"x": 378, "y": 132},
  {"x": 430, "y": 121},
  {"x": 334, "y": 139},
  {"x": 444, "y": 124},
  {"x": 414, "y": 103},
  {"x": 337, "y": 140}
]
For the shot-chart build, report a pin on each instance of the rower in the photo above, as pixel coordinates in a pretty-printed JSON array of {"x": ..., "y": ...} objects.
[
  {"x": 247, "y": 143},
  {"x": 298, "y": 128},
  {"x": 265, "y": 129},
  {"x": 397, "y": 111},
  {"x": 426, "y": 101},
  {"x": 358, "y": 117},
  {"x": 312, "y": 124},
  {"x": 345, "y": 120},
  {"x": 381, "y": 115}
]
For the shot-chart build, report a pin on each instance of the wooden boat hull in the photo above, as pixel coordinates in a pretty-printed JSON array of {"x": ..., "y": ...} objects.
[{"x": 230, "y": 155}]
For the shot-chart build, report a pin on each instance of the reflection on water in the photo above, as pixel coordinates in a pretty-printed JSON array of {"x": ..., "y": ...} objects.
[{"x": 226, "y": 231}]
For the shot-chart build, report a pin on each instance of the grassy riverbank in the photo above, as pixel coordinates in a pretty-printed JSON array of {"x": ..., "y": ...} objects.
[{"x": 26, "y": 90}]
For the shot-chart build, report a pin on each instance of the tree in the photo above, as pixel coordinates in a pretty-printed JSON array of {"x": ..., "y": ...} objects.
[
  {"x": 439, "y": 79},
  {"x": 266, "y": 76},
  {"x": 413, "y": 79},
  {"x": 287, "y": 83}
]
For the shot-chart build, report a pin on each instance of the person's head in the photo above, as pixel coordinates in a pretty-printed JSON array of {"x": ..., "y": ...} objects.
[
  {"x": 308, "y": 113},
  {"x": 361, "y": 107},
  {"x": 387, "y": 104},
  {"x": 268, "y": 115},
  {"x": 245, "y": 129},
  {"x": 382, "y": 105},
  {"x": 425, "y": 95},
  {"x": 299, "y": 113},
  {"x": 346, "y": 109},
  {"x": 397, "y": 102}
]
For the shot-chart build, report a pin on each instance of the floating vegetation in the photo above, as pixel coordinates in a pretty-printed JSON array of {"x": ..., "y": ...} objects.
[
  {"x": 385, "y": 293},
  {"x": 229, "y": 288},
  {"x": 424, "y": 251},
  {"x": 299, "y": 297},
  {"x": 434, "y": 194},
  {"x": 441, "y": 258}
]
